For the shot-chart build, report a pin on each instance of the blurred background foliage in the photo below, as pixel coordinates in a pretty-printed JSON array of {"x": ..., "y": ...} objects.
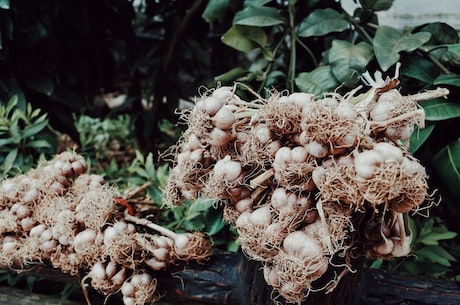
[{"x": 107, "y": 77}]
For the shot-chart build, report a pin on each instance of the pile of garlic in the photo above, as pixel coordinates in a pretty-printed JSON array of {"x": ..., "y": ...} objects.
[
  {"x": 300, "y": 178},
  {"x": 58, "y": 215}
]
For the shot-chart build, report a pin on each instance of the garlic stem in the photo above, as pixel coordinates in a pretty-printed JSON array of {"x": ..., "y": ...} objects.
[
  {"x": 399, "y": 118},
  {"x": 151, "y": 225},
  {"x": 430, "y": 94},
  {"x": 257, "y": 181}
]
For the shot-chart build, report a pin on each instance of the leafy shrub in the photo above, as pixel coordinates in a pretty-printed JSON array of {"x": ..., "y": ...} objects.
[{"x": 25, "y": 136}]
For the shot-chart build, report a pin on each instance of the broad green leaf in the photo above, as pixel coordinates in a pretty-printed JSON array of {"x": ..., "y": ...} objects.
[
  {"x": 258, "y": 16},
  {"x": 419, "y": 136},
  {"x": 256, "y": 2},
  {"x": 440, "y": 109},
  {"x": 5, "y": 4},
  {"x": 419, "y": 68},
  {"x": 321, "y": 22},
  {"x": 231, "y": 75},
  {"x": 453, "y": 80},
  {"x": 317, "y": 81},
  {"x": 214, "y": 221},
  {"x": 245, "y": 38},
  {"x": 349, "y": 61},
  {"x": 454, "y": 48},
  {"x": 215, "y": 9},
  {"x": 441, "y": 33},
  {"x": 376, "y": 5},
  {"x": 389, "y": 42},
  {"x": 446, "y": 164}
]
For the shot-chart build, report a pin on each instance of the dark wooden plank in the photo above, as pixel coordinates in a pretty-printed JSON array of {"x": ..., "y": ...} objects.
[
  {"x": 230, "y": 279},
  {"x": 11, "y": 296}
]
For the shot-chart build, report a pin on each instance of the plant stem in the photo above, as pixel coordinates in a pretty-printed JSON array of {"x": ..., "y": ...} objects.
[
  {"x": 292, "y": 59},
  {"x": 430, "y": 94},
  {"x": 151, "y": 225}
]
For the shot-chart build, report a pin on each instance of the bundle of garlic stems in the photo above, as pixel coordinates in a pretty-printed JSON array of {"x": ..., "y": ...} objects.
[
  {"x": 60, "y": 216},
  {"x": 307, "y": 181}
]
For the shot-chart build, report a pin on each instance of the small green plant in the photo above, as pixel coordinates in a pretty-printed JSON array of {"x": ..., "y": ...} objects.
[
  {"x": 25, "y": 136},
  {"x": 108, "y": 144}
]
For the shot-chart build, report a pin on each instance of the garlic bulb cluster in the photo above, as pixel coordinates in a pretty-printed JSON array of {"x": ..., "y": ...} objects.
[
  {"x": 58, "y": 215},
  {"x": 299, "y": 176}
]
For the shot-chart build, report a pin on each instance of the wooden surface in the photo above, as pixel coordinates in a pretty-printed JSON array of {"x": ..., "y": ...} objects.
[{"x": 230, "y": 279}]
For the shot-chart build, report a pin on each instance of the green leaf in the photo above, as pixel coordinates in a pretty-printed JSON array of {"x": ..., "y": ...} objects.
[
  {"x": 453, "y": 80},
  {"x": 419, "y": 136},
  {"x": 432, "y": 256},
  {"x": 419, "y": 68},
  {"x": 12, "y": 103},
  {"x": 454, "y": 49},
  {"x": 321, "y": 22},
  {"x": 9, "y": 161},
  {"x": 5, "y": 4},
  {"x": 377, "y": 264},
  {"x": 433, "y": 238},
  {"x": 376, "y": 5},
  {"x": 349, "y": 61},
  {"x": 258, "y": 16},
  {"x": 215, "y": 9},
  {"x": 34, "y": 129},
  {"x": 441, "y": 33},
  {"x": 231, "y": 75},
  {"x": 446, "y": 163},
  {"x": 440, "y": 109},
  {"x": 39, "y": 144},
  {"x": 214, "y": 222},
  {"x": 317, "y": 81},
  {"x": 389, "y": 42},
  {"x": 245, "y": 38}
]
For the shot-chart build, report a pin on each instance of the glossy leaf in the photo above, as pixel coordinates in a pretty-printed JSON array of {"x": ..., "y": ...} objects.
[
  {"x": 349, "y": 61},
  {"x": 440, "y": 109},
  {"x": 231, "y": 75},
  {"x": 321, "y": 22},
  {"x": 389, "y": 42},
  {"x": 454, "y": 48},
  {"x": 441, "y": 33},
  {"x": 258, "y": 16},
  {"x": 420, "y": 69},
  {"x": 5, "y": 4},
  {"x": 317, "y": 81},
  {"x": 452, "y": 80},
  {"x": 244, "y": 38},
  {"x": 419, "y": 136},
  {"x": 446, "y": 164},
  {"x": 376, "y": 5},
  {"x": 215, "y": 9}
]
